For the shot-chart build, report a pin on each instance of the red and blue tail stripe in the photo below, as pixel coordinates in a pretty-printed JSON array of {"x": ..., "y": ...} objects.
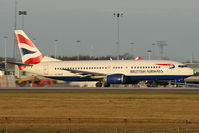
[{"x": 29, "y": 52}]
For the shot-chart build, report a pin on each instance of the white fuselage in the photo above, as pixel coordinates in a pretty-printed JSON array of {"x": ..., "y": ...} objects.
[{"x": 135, "y": 70}]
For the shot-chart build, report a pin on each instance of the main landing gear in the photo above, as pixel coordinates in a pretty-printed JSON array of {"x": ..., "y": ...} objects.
[
  {"x": 101, "y": 84},
  {"x": 151, "y": 84}
]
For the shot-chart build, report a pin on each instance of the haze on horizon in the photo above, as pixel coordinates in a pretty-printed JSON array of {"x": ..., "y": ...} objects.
[{"x": 92, "y": 21}]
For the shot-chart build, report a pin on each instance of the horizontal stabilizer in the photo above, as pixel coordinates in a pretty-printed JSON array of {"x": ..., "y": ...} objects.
[{"x": 19, "y": 63}]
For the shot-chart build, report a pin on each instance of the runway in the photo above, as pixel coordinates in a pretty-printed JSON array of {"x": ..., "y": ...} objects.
[{"x": 83, "y": 89}]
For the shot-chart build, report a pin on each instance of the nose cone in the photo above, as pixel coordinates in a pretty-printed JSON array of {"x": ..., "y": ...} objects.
[{"x": 189, "y": 71}]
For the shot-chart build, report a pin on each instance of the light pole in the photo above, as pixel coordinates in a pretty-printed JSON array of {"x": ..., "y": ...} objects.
[
  {"x": 78, "y": 48},
  {"x": 163, "y": 52},
  {"x": 15, "y": 41},
  {"x": 91, "y": 52},
  {"x": 153, "y": 51},
  {"x": 16, "y": 54},
  {"x": 55, "y": 46},
  {"x": 118, "y": 15},
  {"x": 5, "y": 43},
  {"x": 44, "y": 50},
  {"x": 149, "y": 54},
  {"x": 22, "y": 13},
  {"x": 132, "y": 49}
]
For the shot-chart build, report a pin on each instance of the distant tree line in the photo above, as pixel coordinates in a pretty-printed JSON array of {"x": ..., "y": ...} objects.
[{"x": 125, "y": 56}]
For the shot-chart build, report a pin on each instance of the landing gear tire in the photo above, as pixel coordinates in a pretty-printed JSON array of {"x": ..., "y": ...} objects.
[
  {"x": 98, "y": 84},
  {"x": 106, "y": 85},
  {"x": 152, "y": 84}
]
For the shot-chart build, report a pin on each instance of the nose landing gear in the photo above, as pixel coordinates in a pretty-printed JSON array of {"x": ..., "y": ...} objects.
[{"x": 99, "y": 84}]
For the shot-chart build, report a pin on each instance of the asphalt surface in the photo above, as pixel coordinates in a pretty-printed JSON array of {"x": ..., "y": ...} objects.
[{"x": 83, "y": 89}]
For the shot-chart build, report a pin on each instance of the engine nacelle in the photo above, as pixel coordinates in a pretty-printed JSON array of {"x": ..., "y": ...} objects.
[{"x": 115, "y": 79}]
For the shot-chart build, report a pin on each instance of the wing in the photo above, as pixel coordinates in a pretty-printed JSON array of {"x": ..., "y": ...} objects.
[{"x": 87, "y": 74}]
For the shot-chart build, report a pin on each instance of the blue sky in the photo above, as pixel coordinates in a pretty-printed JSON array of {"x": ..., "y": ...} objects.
[{"x": 91, "y": 21}]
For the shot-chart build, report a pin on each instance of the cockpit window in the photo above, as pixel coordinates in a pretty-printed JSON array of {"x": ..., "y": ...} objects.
[{"x": 182, "y": 66}]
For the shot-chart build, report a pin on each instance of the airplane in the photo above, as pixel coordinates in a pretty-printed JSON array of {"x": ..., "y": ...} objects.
[{"x": 105, "y": 72}]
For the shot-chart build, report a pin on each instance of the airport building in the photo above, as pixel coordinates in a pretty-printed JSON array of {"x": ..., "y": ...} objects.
[{"x": 195, "y": 77}]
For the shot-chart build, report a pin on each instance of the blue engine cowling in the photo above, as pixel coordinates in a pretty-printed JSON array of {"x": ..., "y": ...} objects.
[{"x": 115, "y": 79}]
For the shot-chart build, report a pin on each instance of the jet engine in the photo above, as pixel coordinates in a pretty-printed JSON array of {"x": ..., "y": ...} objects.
[{"x": 115, "y": 79}]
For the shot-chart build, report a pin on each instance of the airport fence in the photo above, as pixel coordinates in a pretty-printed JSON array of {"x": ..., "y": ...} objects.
[{"x": 83, "y": 125}]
